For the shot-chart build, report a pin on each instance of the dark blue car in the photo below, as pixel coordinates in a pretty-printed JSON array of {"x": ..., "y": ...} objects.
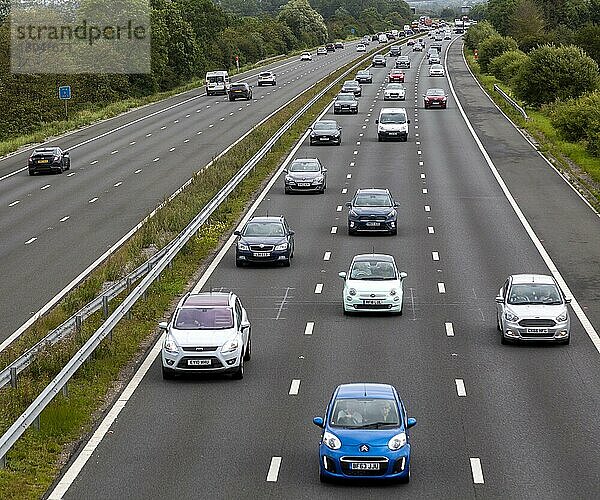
[
  {"x": 365, "y": 434},
  {"x": 265, "y": 240},
  {"x": 372, "y": 210}
]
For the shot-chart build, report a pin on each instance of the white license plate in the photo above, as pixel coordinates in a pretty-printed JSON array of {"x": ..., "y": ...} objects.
[
  {"x": 261, "y": 254},
  {"x": 198, "y": 362},
  {"x": 537, "y": 330},
  {"x": 369, "y": 302},
  {"x": 372, "y": 224},
  {"x": 304, "y": 184},
  {"x": 324, "y": 138},
  {"x": 393, "y": 133},
  {"x": 364, "y": 466}
]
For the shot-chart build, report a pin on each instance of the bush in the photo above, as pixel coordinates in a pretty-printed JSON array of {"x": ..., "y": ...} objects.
[
  {"x": 492, "y": 47},
  {"x": 476, "y": 34},
  {"x": 579, "y": 120},
  {"x": 505, "y": 66},
  {"x": 553, "y": 73}
]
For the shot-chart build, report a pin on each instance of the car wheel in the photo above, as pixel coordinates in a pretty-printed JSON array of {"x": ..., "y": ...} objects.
[
  {"x": 405, "y": 138},
  {"x": 248, "y": 353},
  {"x": 239, "y": 373},
  {"x": 323, "y": 478},
  {"x": 322, "y": 191},
  {"x": 239, "y": 263},
  {"x": 287, "y": 262},
  {"x": 286, "y": 191},
  {"x": 504, "y": 340},
  {"x": 566, "y": 342},
  {"x": 167, "y": 374},
  {"x": 379, "y": 138},
  {"x": 394, "y": 232},
  {"x": 69, "y": 164},
  {"x": 498, "y": 327},
  {"x": 31, "y": 172}
]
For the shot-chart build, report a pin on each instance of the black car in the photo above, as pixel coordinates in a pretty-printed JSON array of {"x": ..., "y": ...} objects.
[
  {"x": 364, "y": 76},
  {"x": 52, "y": 160},
  {"x": 305, "y": 175},
  {"x": 325, "y": 132},
  {"x": 240, "y": 91},
  {"x": 339, "y": 45},
  {"x": 264, "y": 240},
  {"x": 330, "y": 47},
  {"x": 352, "y": 86},
  {"x": 345, "y": 103},
  {"x": 372, "y": 210},
  {"x": 378, "y": 60}
]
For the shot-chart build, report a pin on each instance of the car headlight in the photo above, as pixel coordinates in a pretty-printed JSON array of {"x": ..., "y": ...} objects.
[
  {"x": 511, "y": 317},
  {"x": 397, "y": 442},
  {"x": 352, "y": 291},
  {"x": 393, "y": 291},
  {"x": 562, "y": 318},
  {"x": 391, "y": 214},
  {"x": 170, "y": 345},
  {"x": 282, "y": 246},
  {"x": 242, "y": 246},
  {"x": 331, "y": 441},
  {"x": 352, "y": 213},
  {"x": 318, "y": 180},
  {"x": 289, "y": 180},
  {"x": 230, "y": 345},
  {"x": 56, "y": 158}
]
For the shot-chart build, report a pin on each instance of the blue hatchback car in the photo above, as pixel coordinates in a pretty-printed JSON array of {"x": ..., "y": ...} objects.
[{"x": 365, "y": 434}]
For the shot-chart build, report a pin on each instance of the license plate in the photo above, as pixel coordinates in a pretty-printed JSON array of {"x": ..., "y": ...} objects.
[
  {"x": 373, "y": 224},
  {"x": 364, "y": 466},
  {"x": 393, "y": 133},
  {"x": 537, "y": 330},
  {"x": 43, "y": 161},
  {"x": 324, "y": 138},
  {"x": 261, "y": 254},
  {"x": 304, "y": 184},
  {"x": 370, "y": 302},
  {"x": 198, "y": 362}
]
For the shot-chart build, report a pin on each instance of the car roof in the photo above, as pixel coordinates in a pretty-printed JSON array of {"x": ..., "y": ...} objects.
[
  {"x": 365, "y": 390},
  {"x": 373, "y": 190},
  {"x": 329, "y": 122},
  {"x": 207, "y": 299},
  {"x": 43, "y": 150},
  {"x": 393, "y": 110},
  {"x": 369, "y": 256},
  {"x": 532, "y": 278}
]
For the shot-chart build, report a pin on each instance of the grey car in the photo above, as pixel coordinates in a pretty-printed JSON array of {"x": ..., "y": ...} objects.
[
  {"x": 364, "y": 76},
  {"x": 352, "y": 86},
  {"x": 325, "y": 132},
  {"x": 305, "y": 175},
  {"x": 403, "y": 62},
  {"x": 532, "y": 307},
  {"x": 345, "y": 103}
]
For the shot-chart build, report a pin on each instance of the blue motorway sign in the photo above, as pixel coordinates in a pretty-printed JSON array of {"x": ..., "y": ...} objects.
[{"x": 64, "y": 92}]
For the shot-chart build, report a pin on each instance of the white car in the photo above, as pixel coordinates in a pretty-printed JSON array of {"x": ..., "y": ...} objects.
[
  {"x": 394, "y": 91},
  {"x": 361, "y": 47},
  {"x": 392, "y": 124},
  {"x": 436, "y": 70},
  {"x": 306, "y": 56},
  {"x": 208, "y": 333},
  {"x": 372, "y": 284},
  {"x": 266, "y": 78},
  {"x": 321, "y": 51}
]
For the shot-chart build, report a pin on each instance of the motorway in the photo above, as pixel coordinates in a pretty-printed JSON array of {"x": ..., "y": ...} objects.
[
  {"x": 55, "y": 226},
  {"x": 526, "y": 425}
]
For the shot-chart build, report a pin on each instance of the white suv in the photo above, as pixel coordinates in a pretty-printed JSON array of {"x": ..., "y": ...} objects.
[
  {"x": 266, "y": 78},
  {"x": 392, "y": 124},
  {"x": 209, "y": 332}
]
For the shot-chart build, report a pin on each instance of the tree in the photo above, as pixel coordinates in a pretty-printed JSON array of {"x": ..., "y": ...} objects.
[
  {"x": 588, "y": 38},
  {"x": 478, "y": 12},
  {"x": 579, "y": 120},
  {"x": 305, "y": 22},
  {"x": 492, "y": 47},
  {"x": 526, "y": 21},
  {"x": 476, "y": 34},
  {"x": 499, "y": 13},
  {"x": 506, "y": 66}
]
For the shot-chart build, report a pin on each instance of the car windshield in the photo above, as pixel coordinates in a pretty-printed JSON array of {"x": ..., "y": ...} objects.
[
  {"x": 404, "y": 58},
  {"x": 204, "y": 318},
  {"x": 392, "y": 118},
  {"x": 534, "y": 293},
  {"x": 304, "y": 166},
  {"x": 363, "y": 73},
  {"x": 325, "y": 126},
  {"x": 351, "y": 83},
  {"x": 439, "y": 92},
  {"x": 345, "y": 97},
  {"x": 372, "y": 200},
  {"x": 267, "y": 229},
  {"x": 268, "y": 75},
  {"x": 364, "y": 413},
  {"x": 373, "y": 269},
  {"x": 395, "y": 86}
]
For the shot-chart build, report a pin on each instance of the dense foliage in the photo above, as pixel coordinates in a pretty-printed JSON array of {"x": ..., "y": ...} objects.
[
  {"x": 579, "y": 120},
  {"x": 492, "y": 47},
  {"x": 478, "y": 33},
  {"x": 505, "y": 66}
]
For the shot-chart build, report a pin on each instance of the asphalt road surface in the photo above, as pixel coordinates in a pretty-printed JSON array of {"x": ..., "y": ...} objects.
[{"x": 529, "y": 414}]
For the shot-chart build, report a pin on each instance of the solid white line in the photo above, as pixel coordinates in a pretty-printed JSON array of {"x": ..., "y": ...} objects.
[
  {"x": 30, "y": 240},
  {"x": 585, "y": 322},
  {"x": 318, "y": 287},
  {"x": 93, "y": 200},
  {"x": 118, "y": 184},
  {"x": 477, "y": 471},
  {"x": 430, "y": 229},
  {"x": 14, "y": 203},
  {"x": 274, "y": 469},
  {"x": 460, "y": 387},
  {"x": 294, "y": 387},
  {"x": 333, "y": 229},
  {"x": 449, "y": 329},
  {"x": 327, "y": 256},
  {"x": 75, "y": 468},
  {"x": 435, "y": 256},
  {"x": 441, "y": 288},
  {"x": 427, "y": 208},
  {"x": 338, "y": 208},
  {"x": 310, "y": 326},
  {"x": 65, "y": 218}
]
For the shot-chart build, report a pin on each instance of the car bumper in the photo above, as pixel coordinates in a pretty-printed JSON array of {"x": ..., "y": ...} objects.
[
  {"x": 345, "y": 110},
  {"x": 391, "y": 303},
  {"x": 364, "y": 226},
  {"x": 336, "y": 464},
  {"x": 271, "y": 257},
  {"x": 393, "y": 135},
  {"x": 324, "y": 139},
  {"x": 233, "y": 97},
  {"x": 435, "y": 104},
  {"x": 308, "y": 189},
  {"x": 219, "y": 362},
  {"x": 515, "y": 332},
  {"x": 45, "y": 168},
  {"x": 394, "y": 97}
]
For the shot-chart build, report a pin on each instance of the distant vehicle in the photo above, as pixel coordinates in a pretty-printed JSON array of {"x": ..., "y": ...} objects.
[
  {"x": 366, "y": 39},
  {"x": 240, "y": 90},
  {"x": 330, "y": 47},
  {"x": 217, "y": 82},
  {"x": 339, "y": 45},
  {"x": 383, "y": 38},
  {"x": 395, "y": 33},
  {"x": 361, "y": 47},
  {"x": 448, "y": 35},
  {"x": 305, "y": 175},
  {"x": 266, "y": 78},
  {"x": 345, "y": 103},
  {"x": 396, "y": 75},
  {"x": 364, "y": 76},
  {"x": 395, "y": 50},
  {"x": 378, "y": 60},
  {"x": 435, "y": 98},
  {"x": 410, "y": 43},
  {"x": 394, "y": 91},
  {"x": 48, "y": 160},
  {"x": 352, "y": 86},
  {"x": 434, "y": 59},
  {"x": 403, "y": 62},
  {"x": 372, "y": 210},
  {"x": 208, "y": 332},
  {"x": 436, "y": 70},
  {"x": 306, "y": 56},
  {"x": 321, "y": 51},
  {"x": 418, "y": 47},
  {"x": 392, "y": 124},
  {"x": 325, "y": 132},
  {"x": 265, "y": 240}
]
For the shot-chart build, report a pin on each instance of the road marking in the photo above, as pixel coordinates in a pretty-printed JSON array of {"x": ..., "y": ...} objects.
[
  {"x": 420, "y": 164},
  {"x": 441, "y": 288},
  {"x": 93, "y": 200},
  {"x": 221, "y": 119},
  {"x": 422, "y": 176},
  {"x": 114, "y": 152},
  {"x": 355, "y": 152},
  {"x": 435, "y": 256},
  {"x": 416, "y": 135},
  {"x": 344, "y": 191},
  {"x": 477, "y": 471},
  {"x": 177, "y": 121},
  {"x": 199, "y": 132},
  {"x": 310, "y": 326},
  {"x": 164, "y": 126},
  {"x": 71, "y": 174},
  {"x": 333, "y": 229},
  {"x": 138, "y": 171},
  {"x": 148, "y": 135},
  {"x": 460, "y": 387},
  {"x": 118, "y": 184},
  {"x": 156, "y": 159},
  {"x": 133, "y": 142},
  {"x": 427, "y": 208},
  {"x": 348, "y": 176},
  {"x": 418, "y": 143},
  {"x": 186, "y": 141},
  {"x": 187, "y": 116},
  {"x": 327, "y": 256},
  {"x": 231, "y": 114},
  {"x": 338, "y": 208},
  {"x": 294, "y": 387},
  {"x": 419, "y": 152},
  {"x": 43, "y": 188},
  {"x": 30, "y": 240},
  {"x": 319, "y": 288},
  {"x": 274, "y": 469},
  {"x": 424, "y": 190},
  {"x": 352, "y": 163},
  {"x": 171, "y": 150},
  {"x": 416, "y": 126},
  {"x": 364, "y": 126},
  {"x": 94, "y": 162},
  {"x": 14, "y": 203},
  {"x": 449, "y": 330},
  {"x": 65, "y": 218},
  {"x": 361, "y": 134}
]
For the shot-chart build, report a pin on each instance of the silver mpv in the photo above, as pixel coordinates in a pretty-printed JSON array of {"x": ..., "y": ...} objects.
[
  {"x": 532, "y": 307},
  {"x": 209, "y": 332}
]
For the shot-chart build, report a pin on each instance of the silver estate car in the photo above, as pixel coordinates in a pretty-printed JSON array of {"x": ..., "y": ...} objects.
[
  {"x": 209, "y": 332},
  {"x": 531, "y": 307}
]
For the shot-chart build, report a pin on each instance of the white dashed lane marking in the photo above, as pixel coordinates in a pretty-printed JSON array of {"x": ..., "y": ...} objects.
[
  {"x": 460, "y": 387},
  {"x": 133, "y": 142},
  {"x": 274, "y": 469},
  {"x": 449, "y": 329},
  {"x": 294, "y": 387},
  {"x": 441, "y": 288},
  {"x": 93, "y": 200},
  {"x": 430, "y": 229},
  {"x": 327, "y": 256},
  {"x": 318, "y": 287},
  {"x": 477, "y": 471},
  {"x": 94, "y": 162},
  {"x": 310, "y": 326},
  {"x": 148, "y": 135},
  {"x": 118, "y": 184},
  {"x": 71, "y": 174},
  {"x": 427, "y": 208},
  {"x": 138, "y": 171},
  {"x": 422, "y": 176},
  {"x": 64, "y": 219},
  {"x": 338, "y": 208},
  {"x": 114, "y": 152},
  {"x": 435, "y": 255},
  {"x": 43, "y": 188},
  {"x": 30, "y": 240},
  {"x": 171, "y": 150},
  {"x": 333, "y": 229},
  {"x": 156, "y": 159},
  {"x": 14, "y": 203}
]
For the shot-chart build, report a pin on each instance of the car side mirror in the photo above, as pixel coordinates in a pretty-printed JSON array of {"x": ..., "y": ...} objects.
[
  {"x": 342, "y": 275},
  {"x": 396, "y": 204},
  {"x": 66, "y": 153},
  {"x": 568, "y": 301},
  {"x": 163, "y": 325},
  {"x": 348, "y": 204},
  {"x": 292, "y": 233},
  {"x": 318, "y": 421},
  {"x": 376, "y": 121},
  {"x": 408, "y": 121},
  {"x": 237, "y": 233},
  {"x": 411, "y": 422},
  {"x": 403, "y": 275},
  {"x": 285, "y": 170},
  {"x": 245, "y": 327},
  {"x": 339, "y": 128},
  {"x": 324, "y": 170},
  {"x": 499, "y": 299},
  {"x": 423, "y": 95}
]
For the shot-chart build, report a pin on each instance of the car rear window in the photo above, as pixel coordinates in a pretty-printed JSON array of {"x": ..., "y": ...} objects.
[
  {"x": 238, "y": 86},
  {"x": 204, "y": 318}
]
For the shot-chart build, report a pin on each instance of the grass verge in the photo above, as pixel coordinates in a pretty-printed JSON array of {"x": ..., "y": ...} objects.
[
  {"x": 581, "y": 168},
  {"x": 36, "y": 459}
]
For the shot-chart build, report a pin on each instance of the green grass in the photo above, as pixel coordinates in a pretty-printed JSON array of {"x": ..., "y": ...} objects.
[
  {"x": 34, "y": 461},
  {"x": 571, "y": 157}
]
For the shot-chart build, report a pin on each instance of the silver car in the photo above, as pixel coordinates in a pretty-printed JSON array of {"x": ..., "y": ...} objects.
[
  {"x": 532, "y": 307},
  {"x": 208, "y": 333},
  {"x": 394, "y": 91},
  {"x": 305, "y": 174}
]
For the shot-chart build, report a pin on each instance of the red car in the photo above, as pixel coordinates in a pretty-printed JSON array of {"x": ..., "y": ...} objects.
[
  {"x": 396, "y": 75},
  {"x": 435, "y": 98}
]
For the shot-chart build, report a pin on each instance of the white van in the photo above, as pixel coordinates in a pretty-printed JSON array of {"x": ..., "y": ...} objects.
[
  {"x": 217, "y": 82},
  {"x": 383, "y": 38},
  {"x": 392, "y": 124}
]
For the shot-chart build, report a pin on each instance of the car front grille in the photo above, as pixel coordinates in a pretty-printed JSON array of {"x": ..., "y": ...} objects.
[
  {"x": 370, "y": 218},
  {"x": 539, "y": 323},
  {"x": 214, "y": 363},
  {"x": 200, "y": 349},
  {"x": 264, "y": 248},
  {"x": 346, "y": 461},
  {"x": 383, "y": 307}
]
